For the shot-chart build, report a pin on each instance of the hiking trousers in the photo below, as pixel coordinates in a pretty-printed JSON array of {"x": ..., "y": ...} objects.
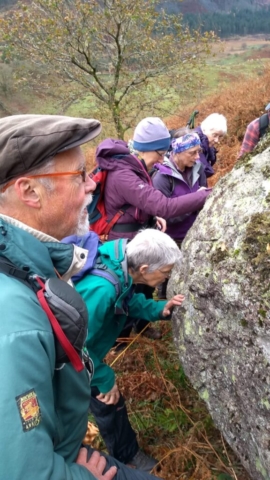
[
  {"x": 123, "y": 471},
  {"x": 114, "y": 426}
]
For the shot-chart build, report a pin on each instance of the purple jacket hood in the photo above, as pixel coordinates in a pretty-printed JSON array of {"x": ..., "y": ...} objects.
[{"x": 114, "y": 154}]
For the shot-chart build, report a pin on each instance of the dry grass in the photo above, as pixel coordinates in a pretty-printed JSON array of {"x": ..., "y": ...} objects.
[
  {"x": 238, "y": 45},
  {"x": 240, "y": 103},
  {"x": 171, "y": 421}
]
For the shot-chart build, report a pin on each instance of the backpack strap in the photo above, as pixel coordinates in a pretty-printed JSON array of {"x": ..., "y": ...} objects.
[
  {"x": 263, "y": 124},
  {"x": 101, "y": 270},
  {"x": 123, "y": 243},
  {"x": 68, "y": 348},
  {"x": 172, "y": 184},
  {"x": 115, "y": 219},
  {"x": 202, "y": 176},
  {"x": 11, "y": 270}
]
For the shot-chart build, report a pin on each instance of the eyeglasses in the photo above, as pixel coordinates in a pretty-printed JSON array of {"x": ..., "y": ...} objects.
[
  {"x": 162, "y": 153},
  {"x": 82, "y": 173},
  {"x": 166, "y": 274},
  {"x": 194, "y": 153}
]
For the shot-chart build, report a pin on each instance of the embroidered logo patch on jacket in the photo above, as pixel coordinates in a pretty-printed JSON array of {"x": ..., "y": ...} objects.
[{"x": 29, "y": 410}]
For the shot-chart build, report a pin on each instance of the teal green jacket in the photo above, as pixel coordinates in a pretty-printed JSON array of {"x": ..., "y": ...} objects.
[
  {"x": 43, "y": 410},
  {"x": 104, "y": 325}
]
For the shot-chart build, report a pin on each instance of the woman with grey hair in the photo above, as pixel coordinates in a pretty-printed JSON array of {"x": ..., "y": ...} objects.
[
  {"x": 147, "y": 253},
  {"x": 211, "y": 130},
  {"x": 147, "y": 259}
]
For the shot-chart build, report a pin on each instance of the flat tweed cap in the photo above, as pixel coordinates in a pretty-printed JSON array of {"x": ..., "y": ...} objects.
[{"x": 28, "y": 141}]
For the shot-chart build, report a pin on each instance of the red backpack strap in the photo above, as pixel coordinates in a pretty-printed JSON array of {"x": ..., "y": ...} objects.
[
  {"x": 113, "y": 221},
  {"x": 60, "y": 335}
]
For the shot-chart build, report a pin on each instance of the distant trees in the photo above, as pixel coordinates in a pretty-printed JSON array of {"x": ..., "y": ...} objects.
[
  {"x": 127, "y": 55},
  {"x": 7, "y": 3},
  {"x": 237, "y": 22}
]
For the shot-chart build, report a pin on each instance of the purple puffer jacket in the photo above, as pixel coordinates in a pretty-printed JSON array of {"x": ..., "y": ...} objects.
[
  {"x": 208, "y": 156},
  {"x": 128, "y": 183},
  {"x": 169, "y": 180}
]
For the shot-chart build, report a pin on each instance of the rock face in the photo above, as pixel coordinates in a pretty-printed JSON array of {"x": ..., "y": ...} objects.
[{"x": 222, "y": 332}]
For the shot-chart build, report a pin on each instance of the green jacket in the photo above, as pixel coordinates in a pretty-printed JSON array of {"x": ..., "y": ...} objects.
[
  {"x": 43, "y": 410},
  {"x": 104, "y": 325}
]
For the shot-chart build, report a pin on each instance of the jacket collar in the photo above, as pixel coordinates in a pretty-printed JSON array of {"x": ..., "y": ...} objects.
[
  {"x": 174, "y": 172},
  {"x": 43, "y": 254}
]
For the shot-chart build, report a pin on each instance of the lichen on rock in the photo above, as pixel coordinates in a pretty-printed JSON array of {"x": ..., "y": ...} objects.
[{"x": 222, "y": 331}]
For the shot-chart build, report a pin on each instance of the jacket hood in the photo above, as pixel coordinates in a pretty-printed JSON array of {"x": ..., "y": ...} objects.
[
  {"x": 90, "y": 242},
  {"x": 168, "y": 168},
  {"x": 112, "y": 253},
  {"x": 114, "y": 154}
]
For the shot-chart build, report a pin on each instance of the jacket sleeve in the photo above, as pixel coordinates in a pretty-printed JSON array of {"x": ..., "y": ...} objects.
[
  {"x": 104, "y": 376},
  {"x": 29, "y": 422},
  {"x": 151, "y": 310},
  {"x": 132, "y": 190},
  {"x": 251, "y": 138},
  {"x": 99, "y": 296}
]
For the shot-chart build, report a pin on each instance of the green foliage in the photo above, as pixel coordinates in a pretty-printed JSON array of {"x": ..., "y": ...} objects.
[
  {"x": 224, "y": 476},
  {"x": 172, "y": 420},
  {"x": 131, "y": 57},
  {"x": 256, "y": 243}
]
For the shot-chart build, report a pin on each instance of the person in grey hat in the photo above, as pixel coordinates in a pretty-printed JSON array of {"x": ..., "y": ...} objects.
[{"x": 44, "y": 191}]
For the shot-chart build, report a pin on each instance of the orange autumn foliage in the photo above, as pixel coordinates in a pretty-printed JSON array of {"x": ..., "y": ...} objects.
[{"x": 240, "y": 103}]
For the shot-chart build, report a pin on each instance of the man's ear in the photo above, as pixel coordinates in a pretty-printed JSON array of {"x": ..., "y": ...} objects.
[
  {"x": 143, "y": 269},
  {"x": 28, "y": 191}
]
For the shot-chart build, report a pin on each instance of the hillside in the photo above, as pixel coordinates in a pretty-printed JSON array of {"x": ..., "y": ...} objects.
[
  {"x": 194, "y": 6},
  {"x": 213, "y": 6},
  {"x": 240, "y": 102}
]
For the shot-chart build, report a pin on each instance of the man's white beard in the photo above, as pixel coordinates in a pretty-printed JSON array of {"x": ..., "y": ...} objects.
[{"x": 83, "y": 222}]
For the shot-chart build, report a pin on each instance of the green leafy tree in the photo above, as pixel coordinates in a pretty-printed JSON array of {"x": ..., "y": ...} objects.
[{"x": 130, "y": 56}]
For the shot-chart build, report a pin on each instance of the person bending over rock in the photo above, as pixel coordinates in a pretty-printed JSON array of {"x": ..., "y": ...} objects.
[{"x": 147, "y": 259}]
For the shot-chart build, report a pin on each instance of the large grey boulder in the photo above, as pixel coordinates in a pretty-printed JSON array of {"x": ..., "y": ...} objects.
[{"x": 222, "y": 331}]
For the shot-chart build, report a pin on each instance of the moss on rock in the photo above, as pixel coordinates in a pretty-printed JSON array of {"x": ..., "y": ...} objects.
[
  {"x": 266, "y": 171},
  {"x": 257, "y": 240}
]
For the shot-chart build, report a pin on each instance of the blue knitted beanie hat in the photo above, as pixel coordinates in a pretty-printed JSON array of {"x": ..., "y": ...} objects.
[{"x": 151, "y": 134}]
